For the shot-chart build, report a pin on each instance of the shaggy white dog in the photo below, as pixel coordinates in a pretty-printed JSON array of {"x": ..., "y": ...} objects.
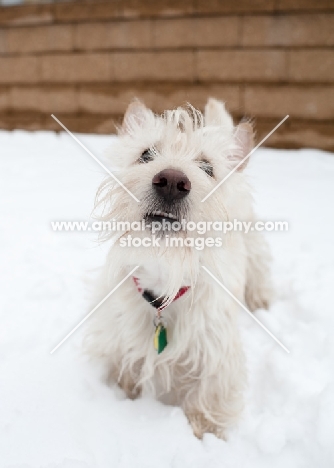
[{"x": 170, "y": 163}]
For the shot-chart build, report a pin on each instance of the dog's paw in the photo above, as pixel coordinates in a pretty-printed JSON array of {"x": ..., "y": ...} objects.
[
  {"x": 132, "y": 392},
  {"x": 257, "y": 303},
  {"x": 126, "y": 383},
  {"x": 258, "y": 298},
  {"x": 200, "y": 425}
]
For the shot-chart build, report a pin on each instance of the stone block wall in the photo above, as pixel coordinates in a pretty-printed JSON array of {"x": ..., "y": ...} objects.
[{"x": 85, "y": 60}]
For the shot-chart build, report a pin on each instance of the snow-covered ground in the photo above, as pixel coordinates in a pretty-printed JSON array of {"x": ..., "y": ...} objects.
[{"x": 55, "y": 411}]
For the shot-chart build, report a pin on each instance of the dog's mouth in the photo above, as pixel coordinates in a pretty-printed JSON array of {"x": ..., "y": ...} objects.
[{"x": 160, "y": 217}]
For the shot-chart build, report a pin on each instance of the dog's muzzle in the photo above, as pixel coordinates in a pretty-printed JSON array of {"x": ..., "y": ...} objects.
[{"x": 167, "y": 203}]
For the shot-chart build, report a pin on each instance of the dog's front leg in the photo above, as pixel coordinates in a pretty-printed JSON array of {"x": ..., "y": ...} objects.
[
  {"x": 214, "y": 403},
  {"x": 210, "y": 414}
]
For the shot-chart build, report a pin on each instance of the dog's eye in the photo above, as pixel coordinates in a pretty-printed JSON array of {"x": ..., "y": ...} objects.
[
  {"x": 146, "y": 157},
  {"x": 206, "y": 167}
]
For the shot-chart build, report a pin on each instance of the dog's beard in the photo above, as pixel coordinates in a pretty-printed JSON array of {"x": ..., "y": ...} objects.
[{"x": 160, "y": 212}]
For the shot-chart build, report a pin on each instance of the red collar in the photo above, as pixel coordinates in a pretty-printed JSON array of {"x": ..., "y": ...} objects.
[{"x": 157, "y": 302}]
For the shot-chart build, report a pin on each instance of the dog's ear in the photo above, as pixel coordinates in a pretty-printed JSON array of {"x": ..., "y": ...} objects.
[
  {"x": 216, "y": 114},
  {"x": 135, "y": 116},
  {"x": 244, "y": 140}
]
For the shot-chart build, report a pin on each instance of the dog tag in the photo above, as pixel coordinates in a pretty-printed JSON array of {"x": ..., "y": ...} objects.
[{"x": 160, "y": 338}]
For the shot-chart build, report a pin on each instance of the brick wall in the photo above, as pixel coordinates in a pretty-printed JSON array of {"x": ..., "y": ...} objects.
[{"x": 84, "y": 61}]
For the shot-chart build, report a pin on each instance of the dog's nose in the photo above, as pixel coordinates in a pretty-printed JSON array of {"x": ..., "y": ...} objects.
[{"x": 171, "y": 184}]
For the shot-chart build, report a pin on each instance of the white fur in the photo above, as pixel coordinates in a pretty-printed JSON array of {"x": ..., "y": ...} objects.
[{"x": 203, "y": 367}]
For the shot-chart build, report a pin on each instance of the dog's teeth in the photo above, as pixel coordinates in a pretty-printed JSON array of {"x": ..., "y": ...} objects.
[{"x": 164, "y": 214}]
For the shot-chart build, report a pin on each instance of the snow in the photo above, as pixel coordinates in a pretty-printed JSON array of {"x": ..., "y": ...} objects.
[{"x": 56, "y": 410}]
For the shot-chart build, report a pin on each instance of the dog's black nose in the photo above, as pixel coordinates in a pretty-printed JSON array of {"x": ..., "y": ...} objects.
[{"x": 171, "y": 184}]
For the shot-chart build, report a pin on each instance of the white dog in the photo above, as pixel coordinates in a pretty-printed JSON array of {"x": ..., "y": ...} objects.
[{"x": 170, "y": 163}]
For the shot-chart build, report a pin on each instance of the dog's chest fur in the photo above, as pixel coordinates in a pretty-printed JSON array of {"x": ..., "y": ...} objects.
[{"x": 153, "y": 277}]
